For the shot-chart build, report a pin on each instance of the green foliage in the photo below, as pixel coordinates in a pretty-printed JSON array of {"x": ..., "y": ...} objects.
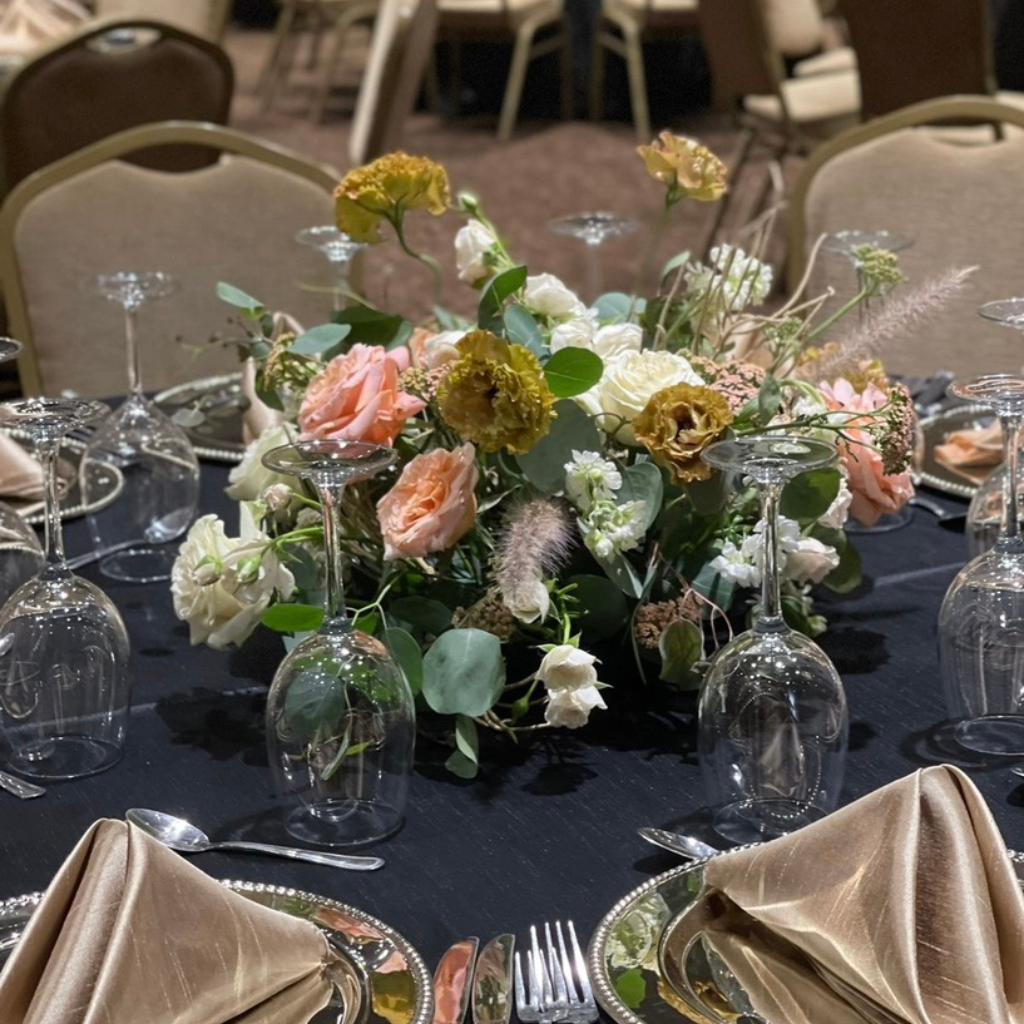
[
  {"x": 544, "y": 463},
  {"x": 643, "y": 482},
  {"x": 406, "y": 652},
  {"x": 601, "y": 608},
  {"x": 714, "y": 587},
  {"x": 522, "y": 329},
  {"x": 571, "y": 371},
  {"x": 463, "y": 672},
  {"x": 847, "y": 575},
  {"x": 324, "y": 341},
  {"x": 369, "y": 326},
  {"x": 808, "y": 496},
  {"x": 681, "y": 647},
  {"x": 464, "y": 760},
  {"x": 492, "y": 300},
  {"x": 236, "y": 297},
  {"x": 616, "y": 307},
  {"x": 317, "y": 698},
  {"x": 769, "y": 400},
  {"x": 421, "y": 616},
  {"x": 293, "y": 618}
]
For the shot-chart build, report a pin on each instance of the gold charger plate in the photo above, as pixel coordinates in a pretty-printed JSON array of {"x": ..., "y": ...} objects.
[
  {"x": 219, "y": 437},
  {"x": 934, "y": 430},
  {"x": 381, "y": 980}
]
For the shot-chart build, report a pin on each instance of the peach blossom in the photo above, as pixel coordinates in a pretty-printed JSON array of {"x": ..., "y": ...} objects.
[
  {"x": 432, "y": 505},
  {"x": 874, "y": 493},
  {"x": 357, "y": 397}
]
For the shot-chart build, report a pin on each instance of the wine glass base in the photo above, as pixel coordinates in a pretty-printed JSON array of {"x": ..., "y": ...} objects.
[
  {"x": 64, "y": 757},
  {"x": 340, "y": 822},
  {"x": 139, "y": 565},
  {"x": 886, "y": 524},
  {"x": 756, "y": 821},
  {"x": 1001, "y": 735}
]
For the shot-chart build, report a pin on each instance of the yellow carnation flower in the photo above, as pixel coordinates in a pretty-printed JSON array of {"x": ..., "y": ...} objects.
[
  {"x": 384, "y": 190},
  {"x": 687, "y": 168},
  {"x": 495, "y": 395},
  {"x": 678, "y": 423}
]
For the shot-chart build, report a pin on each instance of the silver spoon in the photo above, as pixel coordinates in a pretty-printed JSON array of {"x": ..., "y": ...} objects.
[
  {"x": 184, "y": 837},
  {"x": 683, "y": 846},
  {"x": 20, "y": 788}
]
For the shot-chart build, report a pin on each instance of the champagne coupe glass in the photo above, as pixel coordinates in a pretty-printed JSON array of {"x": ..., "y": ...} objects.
[
  {"x": 340, "y": 714},
  {"x": 64, "y": 683},
  {"x": 772, "y": 711},
  {"x": 593, "y": 229},
  {"x": 339, "y": 251},
  {"x": 21, "y": 555},
  {"x": 846, "y": 243},
  {"x": 151, "y": 452},
  {"x": 981, "y": 621}
]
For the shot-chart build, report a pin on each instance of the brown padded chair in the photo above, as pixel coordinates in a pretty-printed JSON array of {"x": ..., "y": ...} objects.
[
  {"x": 92, "y": 85},
  {"x": 92, "y": 213}
]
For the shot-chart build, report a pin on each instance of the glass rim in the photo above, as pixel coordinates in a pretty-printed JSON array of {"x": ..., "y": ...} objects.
[{"x": 357, "y": 458}]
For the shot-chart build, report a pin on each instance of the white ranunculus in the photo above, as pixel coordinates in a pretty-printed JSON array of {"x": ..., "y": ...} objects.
[
  {"x": 810, "y": 561},
  {"x": 575, "y": 333},
  {"x": 616, "y": 339},
  {"x": 222, "y": 585},
  {"x": 250, "y": 478},
  {"x": 627, "y": 384},
  {"x": 570, "y": 709},
  {"x": 473, "y": 243},
  {"x": 545, "y": 294},
  {"x": 838, "y": 512},
  {"x": 566, "y": 667},
  {"x": 530, "y": 602}
]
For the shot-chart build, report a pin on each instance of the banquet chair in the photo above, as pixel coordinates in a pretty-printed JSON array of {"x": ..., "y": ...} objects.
[
  {"x": 207, "y": 18},
  {"x": 748, "y": 73},
  {"x": 87, "y": 87},
  {"x": 797, "y": 30},
  {"x": 957, "y": 200},
  {"x": 91, "y": 213},
  {"x": 350, "y": 14}
]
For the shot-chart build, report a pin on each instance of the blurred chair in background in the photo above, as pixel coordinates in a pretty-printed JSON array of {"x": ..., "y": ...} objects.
[
  {"x": 797, "y": 31},
  {"x": 349, "y": 14},
  {"x": 107, "y": 77},
  {"x": 959, "y": 203},
  {"x": 90, "y": 213},
  {"x": 29, "y": 25},
  {"x": 203, "y": 17}
]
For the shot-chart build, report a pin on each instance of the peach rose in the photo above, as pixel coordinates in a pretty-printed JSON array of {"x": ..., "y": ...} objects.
[
  {"x": 357, "y": 397},
  {"x": 874, "y": 493},
  {"x": 431, "y": 350},
  {"x": 432, "y": 505}
]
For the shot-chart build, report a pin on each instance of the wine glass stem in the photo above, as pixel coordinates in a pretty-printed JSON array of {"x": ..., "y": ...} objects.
[
  {"x": 340, "y": 284},
  {"x": 130, "y": 324},
  {"x": 335, "y": 619},
  {"x": 593, "y": 270},
  {"x": 770, "y": 620},
  {"x": 47, "y": 451},
  {"x": 1010, "y": 538}
]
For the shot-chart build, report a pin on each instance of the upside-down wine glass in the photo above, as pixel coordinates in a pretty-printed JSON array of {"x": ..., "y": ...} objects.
[
  {"x": 846, "y": 243},
  {"x": 64, "y": 683},
  {"x": 21, "y": 555},
  {"x": 340, "y": 715},
  {"x": 150, "y": 451},
  {"x": 593, "y": 229},
  {"x": 339, "y": 251},
  {"x": 772, "y": 712},
  {"x": 981, "y": 621}
]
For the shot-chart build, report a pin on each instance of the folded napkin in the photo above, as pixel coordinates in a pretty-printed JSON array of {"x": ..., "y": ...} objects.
[
  {"x": 902, "y": 907},
  {"x": 129, "y": 933},
  {"x": 968, "y": 451},
  {"x": 21, "y": 476}
]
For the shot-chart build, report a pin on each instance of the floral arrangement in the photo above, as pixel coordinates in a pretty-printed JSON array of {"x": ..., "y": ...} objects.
[{"x": 550, "y": 498}]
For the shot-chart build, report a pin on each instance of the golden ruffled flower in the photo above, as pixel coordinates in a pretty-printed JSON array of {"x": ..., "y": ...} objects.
[
  {"x": 678, "y": 423},
  {"x": 384, "y": 190},
  {"x": 685, "y": 167},
  {"x": 495, "y": 395}
]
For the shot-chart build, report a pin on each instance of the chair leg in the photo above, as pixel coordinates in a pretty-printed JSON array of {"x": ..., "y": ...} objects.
[
  {"x": 285, "y": 20},
  {"x": 597, "y": 60},
  {"x": 282, "y": 69},
  {"x": 565, "y": 55},
  {"x": 516, "y": 78},
  {"x": 637, "y": 82},
  {"x": 330, "y": 69}
]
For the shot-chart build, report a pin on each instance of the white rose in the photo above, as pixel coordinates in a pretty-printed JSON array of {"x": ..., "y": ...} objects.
[
  {"x": 838, "y": 512},
  {"x": 570, "y": 709},
  {"x": 627, "y": 384},
  {"x": 250, "y": 478},
  {"x": 530, "y": 602},
  {"x": 441, "y": 349},
  {"x": 472, "y": 245},
  {"x": 566, "y": 667},
  {"x": 616, "y": 339},
  {"x": 545, "y": 294},
  {"x": 575, "y": 333},
  {"x": 221, "y": 586},
  {"x": 810, "y": 561}
]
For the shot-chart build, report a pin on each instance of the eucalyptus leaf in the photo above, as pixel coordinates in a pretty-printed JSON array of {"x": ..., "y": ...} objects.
[
  {"x": 495, "y": 294},
  {"x": 571, "y": 371},
  {"x": 292, "y": 618},
  {"x": 847, "y": 575},
  {"x": 370, "y": 326},
  {"x": 423, "y": 615},
  {"x": 808, "y": 496},
  {"x": 522, "y": 329},
  {"x": 709, "y": 496},
  {"x": 324, "y": 340},
  {"x": 715, "y": 587},
  {"x": 601, "y": 608},
  {"x": 679, "y": 260},
  {"x": 643, "y": 482},
  {"x": 544, "y": 463},
  {"x": 462, "y": 766},
  {"x": 681, "y": 646},
  {"x": 621, "y": 572},
  {"x": 617, "y": 307},
  {"x": 406, "y": 652},
  {"x": 466, "y": 740},
  {"x": 463, "y": 672},
  {"x": 317, "y": 698},
  {"x": 769, "y": 400},
  {"x": 236, "y": 297}
]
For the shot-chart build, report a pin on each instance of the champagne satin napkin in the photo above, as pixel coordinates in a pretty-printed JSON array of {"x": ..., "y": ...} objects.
[
  {"x": 901, "y": 908},
  {"x": 21, "y": 476},
  {"x": 974, "y": 452},
  {"x": 258, "y": 416},
  {"x": 129, "y": 933}
]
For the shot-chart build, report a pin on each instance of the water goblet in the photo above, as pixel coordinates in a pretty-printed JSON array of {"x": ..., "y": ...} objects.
[
  {"x": 772, "y": 711},
  {"x": 846, "y": 243},
  {"x": 64, "y": 683},
  {"x": 593, "y": 229},
  {"x": 150, "y": 451},
  {"x": 340, "y": 714},
  {"x": 981, "y": 621},
  {"x": 339, "y": 250}
]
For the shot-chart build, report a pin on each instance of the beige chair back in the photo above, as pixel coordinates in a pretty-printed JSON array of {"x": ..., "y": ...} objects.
[
  {"x": 909, "y": 51},
  {"x": 795, "y": 27},
  {"x": 91, "y": 213},
  {"x": 401, "y": 45},
  {"x": 740, "y": 51},
  {"x": 86, "y": 88},
  {"x": 958, "y": 201},
  {"x": 203, "y": 17}
]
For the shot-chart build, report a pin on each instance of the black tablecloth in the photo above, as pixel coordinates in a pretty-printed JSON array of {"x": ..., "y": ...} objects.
[{"x": 552, "y": 829}]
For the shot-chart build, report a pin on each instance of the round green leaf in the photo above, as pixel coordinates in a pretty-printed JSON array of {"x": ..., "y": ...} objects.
[
  {"x": 422, "y": 615},
  {"x": 808, "y": 496},
  {"x": 601, "y": 607},
  {"x": 544, "y": 463},
  {"x": 643, "y": 482},
  {"x": 571, "y": 371},
  {"x": 292, "y": 618},
  {"x": 406, "y": 652},
  {"x": 463, "y": 672}
]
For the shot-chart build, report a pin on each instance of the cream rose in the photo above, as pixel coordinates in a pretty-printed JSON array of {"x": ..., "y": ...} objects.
[
  {"x": 473, "y": 243},
  {"x": 432, "y": 505},
  {"x": 250, "y": 478},
  {"x": 575, "y": 333},
  {"x": 566, "y": 667},
  {"x": 570, "y": 709},
  {"x": 529, "y": 602},
  {"x": 810, "y": 561},
  {"x": 429, "y": 350},
  {"x": 614, "y": 340},
  {"x": 545, "y": 294}
]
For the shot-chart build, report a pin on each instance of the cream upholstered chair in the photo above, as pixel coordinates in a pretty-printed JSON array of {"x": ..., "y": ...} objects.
[
  {"x": 90, "y": 213},
  {"x": 747, "y": 70},
  {"x": 796, "y": 29},
  {"x": 203, "y": 17},
  {"x": 521, "y": 20},
  {"x": 960, "y": 203}
]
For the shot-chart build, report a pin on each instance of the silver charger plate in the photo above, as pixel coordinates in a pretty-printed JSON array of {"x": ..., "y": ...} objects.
[
  {"x": 219, "y": 437},
  {"x": 934, "y": 430},
  {"x": 381, "y": 978}
]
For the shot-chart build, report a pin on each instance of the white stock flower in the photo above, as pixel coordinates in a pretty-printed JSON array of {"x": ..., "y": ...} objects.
[
  {"x": 473, "y": 243},
  {"x": 575, "y": 333},
  {"x": 222, "y": 585},
  {"x": 810, "y": 561},
  {"x": 801, "y": 559},
  {"x": 838, "y": 512},
  {"x": 545, "y": 294},
  {"x": 609, "y": 529},
  {"x": 614, "y": 340},
  {"x": 567, "y": 667},
  {"x": 250, "y": 478},
  {"x": 735, "y": 565},
  {"x": 731, "y": 283},
  {"x": 529, "y": 602},
  {"x": 590, "y": 478},
  {"x": 570, "y": 709}
]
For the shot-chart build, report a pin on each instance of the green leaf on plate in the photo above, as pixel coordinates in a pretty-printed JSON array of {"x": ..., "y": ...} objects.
[
  {"x": 571, "y": 371},
  {"x": 463, "y": 672},
  {"x": 631, "y": 987}
]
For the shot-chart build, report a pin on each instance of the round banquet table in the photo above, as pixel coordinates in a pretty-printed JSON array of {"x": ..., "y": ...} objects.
[{"x": 547, "y": 830}]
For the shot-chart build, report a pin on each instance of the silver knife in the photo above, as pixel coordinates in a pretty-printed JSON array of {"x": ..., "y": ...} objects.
[
  {"x": 492, "y": 983},
  {"x": 451, "y": 982}
]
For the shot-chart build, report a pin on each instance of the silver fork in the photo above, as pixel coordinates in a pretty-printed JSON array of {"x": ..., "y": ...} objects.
[{"x": 557, "y": 982}]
